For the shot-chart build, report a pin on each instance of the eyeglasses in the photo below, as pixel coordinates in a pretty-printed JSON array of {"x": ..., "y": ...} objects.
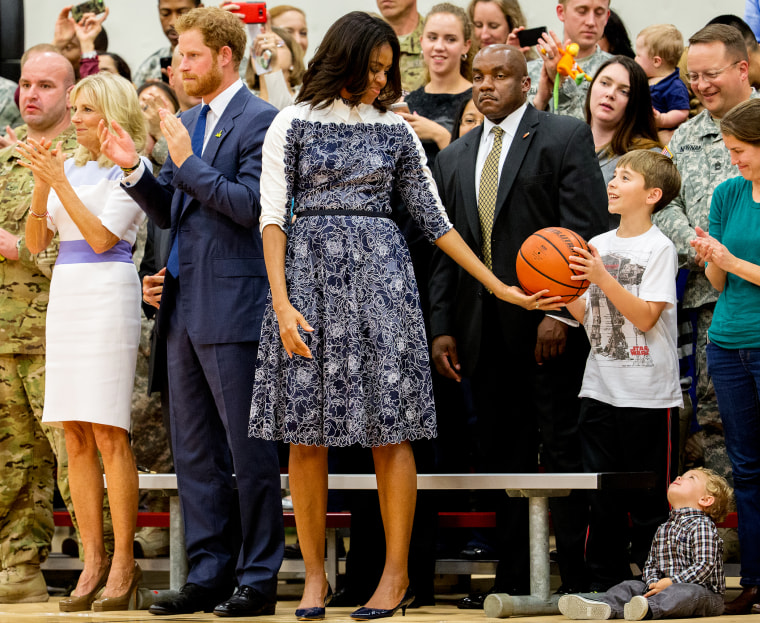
[{"x": 708, "y": 76}]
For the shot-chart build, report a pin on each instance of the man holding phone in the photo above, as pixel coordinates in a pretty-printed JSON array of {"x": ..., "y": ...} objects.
[
  {"x": 584, "y": 22},
  {"x": 168, "y": 12}
]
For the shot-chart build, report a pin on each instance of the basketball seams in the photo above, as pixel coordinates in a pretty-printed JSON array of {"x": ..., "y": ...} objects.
[{"x": 551, "y": 253}]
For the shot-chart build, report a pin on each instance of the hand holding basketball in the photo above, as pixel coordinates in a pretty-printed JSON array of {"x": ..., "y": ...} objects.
[
  {"x": 588, "y": 265},
  {"x": 543, "y": 264},
  {"x": 539, "y": 300}
]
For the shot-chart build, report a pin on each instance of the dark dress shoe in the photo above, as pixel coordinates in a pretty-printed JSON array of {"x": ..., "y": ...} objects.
[
  {"x": 368, "y": 614},
  {"x": 191, "y": 598},
  {"x": 744, "y": 602},
  {"x": 473, "y": 602},
  {"x": 245, "y": 602},
  {"x": 473, "y": 552}
]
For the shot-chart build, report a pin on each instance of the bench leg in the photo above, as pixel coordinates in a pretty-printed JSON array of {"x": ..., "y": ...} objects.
[
  {"x": 177, "y": 551},
  {"x": 502, "y": 605},
  {"x": 538, "y": 521},
  {"x": 332, "y": 557}
]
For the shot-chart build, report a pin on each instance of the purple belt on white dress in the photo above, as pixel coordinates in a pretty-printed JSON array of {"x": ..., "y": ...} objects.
[{"x": 80, "y": 252}]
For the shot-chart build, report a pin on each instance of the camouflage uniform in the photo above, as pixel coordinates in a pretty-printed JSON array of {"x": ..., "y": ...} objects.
[
  {"x": 9, "y": 112},
  {"x": 29, "y": 449},
  {"x": 26, "y": 495},
  {"x": 704, "y": 163},
  {"x": 572, "y": 97},
  {"x": 411, "y": 63},
  {"x": 150, "y": 68}
]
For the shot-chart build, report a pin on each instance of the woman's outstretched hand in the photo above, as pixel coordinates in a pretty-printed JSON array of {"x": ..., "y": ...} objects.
[{"x": 537, "y": 301}]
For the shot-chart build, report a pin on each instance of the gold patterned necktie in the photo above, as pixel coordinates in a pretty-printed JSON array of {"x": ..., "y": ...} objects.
[{"x": 489, "y": 185}]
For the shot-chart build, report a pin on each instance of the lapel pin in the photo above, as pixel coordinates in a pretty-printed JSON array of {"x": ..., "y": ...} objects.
[
  {"x": 219, "y": 134},
  {"x": 526, "y": 135}
]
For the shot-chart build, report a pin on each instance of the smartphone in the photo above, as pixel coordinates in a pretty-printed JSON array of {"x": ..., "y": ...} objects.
[
  {"x": 529, "y": 37},
  {"x": 166, "y": 62},
  {"x": 91, "y": 6},
  {"x": 400, "y": 107},
  {"x": 253, "y": 12}
]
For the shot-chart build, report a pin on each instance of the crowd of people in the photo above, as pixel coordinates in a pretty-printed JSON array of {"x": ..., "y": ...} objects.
[{"x": 327, "y": 279}]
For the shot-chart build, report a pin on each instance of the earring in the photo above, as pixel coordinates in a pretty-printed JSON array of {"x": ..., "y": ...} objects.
[
  {"x": 464, "y": 57},
  {"x": 290, "y": 68}
]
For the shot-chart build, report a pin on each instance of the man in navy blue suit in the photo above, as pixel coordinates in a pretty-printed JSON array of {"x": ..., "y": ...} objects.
[{"x": 211, "y": 310}]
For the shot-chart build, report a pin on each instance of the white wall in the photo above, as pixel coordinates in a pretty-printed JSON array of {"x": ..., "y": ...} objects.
[{"x": 134, "y": 31}]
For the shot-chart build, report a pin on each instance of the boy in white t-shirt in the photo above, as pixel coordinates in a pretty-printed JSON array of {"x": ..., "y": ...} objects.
[{"x": 631, "y": 381}]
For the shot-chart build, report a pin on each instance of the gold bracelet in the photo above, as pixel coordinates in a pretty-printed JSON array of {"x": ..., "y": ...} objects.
[{"x": 39, "y": 216}]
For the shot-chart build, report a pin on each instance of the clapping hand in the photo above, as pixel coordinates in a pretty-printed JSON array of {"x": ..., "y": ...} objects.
[
  {"x": 45, "y": 163},
  {"x": 710, "y": 250},
  {"x": 151, "y": 106},
  {"x": 177, "y": 137},
  {"x": 117, "y": 146},
  {"x": 9, "y": 138}
]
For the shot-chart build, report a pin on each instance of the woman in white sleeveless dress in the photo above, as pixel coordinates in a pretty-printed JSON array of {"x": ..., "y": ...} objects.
[{"x": 93, "y": 328}]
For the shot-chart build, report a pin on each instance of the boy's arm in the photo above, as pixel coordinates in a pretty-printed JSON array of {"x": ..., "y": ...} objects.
[
  {"x": 577, "y": 308},
  {"x": 643, "y": 314},
  {"x": 670, "y": 119}
]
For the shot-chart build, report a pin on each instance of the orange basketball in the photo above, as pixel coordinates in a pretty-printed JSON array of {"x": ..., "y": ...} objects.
[{"x": 543, "y": 264}]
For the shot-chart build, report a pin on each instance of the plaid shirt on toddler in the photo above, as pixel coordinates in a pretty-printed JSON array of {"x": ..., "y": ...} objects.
[{"x": 687, "y": 549}]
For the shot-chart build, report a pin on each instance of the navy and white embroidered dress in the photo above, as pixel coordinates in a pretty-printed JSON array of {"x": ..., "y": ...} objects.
[{"x": 350, "y": 276}]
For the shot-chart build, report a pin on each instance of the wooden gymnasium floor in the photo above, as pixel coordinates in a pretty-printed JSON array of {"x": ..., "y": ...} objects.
[{"x": 445, "y": 611}]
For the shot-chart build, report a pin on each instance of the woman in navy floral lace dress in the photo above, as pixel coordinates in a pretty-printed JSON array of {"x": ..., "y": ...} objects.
[{"x": 343, "y": 357}]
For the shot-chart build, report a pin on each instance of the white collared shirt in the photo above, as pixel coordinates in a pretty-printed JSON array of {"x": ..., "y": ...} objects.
[
  {"x": 218, "y": 105},
  {"x": 509, "y": 125}
]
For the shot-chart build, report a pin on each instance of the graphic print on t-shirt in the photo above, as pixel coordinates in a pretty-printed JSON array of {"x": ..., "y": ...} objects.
[{"x": 614, "y": 339}]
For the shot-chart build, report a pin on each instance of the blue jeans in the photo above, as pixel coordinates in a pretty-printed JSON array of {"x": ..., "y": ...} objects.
[{"x": 736, "y": 377}]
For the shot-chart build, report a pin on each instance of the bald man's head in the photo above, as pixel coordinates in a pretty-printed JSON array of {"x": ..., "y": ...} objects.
[
  {"x": 46, "y": 78},
  {"x": 500, "y": 81}
]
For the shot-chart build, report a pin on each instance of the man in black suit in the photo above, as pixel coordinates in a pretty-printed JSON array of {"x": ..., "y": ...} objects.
[
  {"x": 525, "y": 367},
  {"x": 211, "y": 310}
]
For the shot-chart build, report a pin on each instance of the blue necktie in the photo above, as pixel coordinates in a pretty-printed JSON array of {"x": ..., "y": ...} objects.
[{"x": 172, "y": 264}]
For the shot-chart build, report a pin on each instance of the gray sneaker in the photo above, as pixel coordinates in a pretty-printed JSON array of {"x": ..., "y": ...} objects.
[
  {"x": 636, "y": 609},
  {"x": 581, "y": 609}
]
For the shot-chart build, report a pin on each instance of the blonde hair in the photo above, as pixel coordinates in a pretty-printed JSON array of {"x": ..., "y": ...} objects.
[
  {"x": 722, "y": 493},
  {"x": 218, "y": 28},
  {"x": 115, "y": 98},
  {"x": 665, "y": 41},
  {"x": 465, "y": 64},
  {"x": 510, "y": 8},
  {"x": 278, "y": 10}
]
